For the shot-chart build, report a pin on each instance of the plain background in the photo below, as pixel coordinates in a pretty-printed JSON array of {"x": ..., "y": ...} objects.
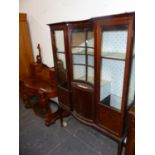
[{"x": 42, "y": 12}]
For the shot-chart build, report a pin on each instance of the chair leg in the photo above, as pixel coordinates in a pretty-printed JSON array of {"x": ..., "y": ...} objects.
[
  {"x": 48, "y": 118},
  {"x": 61, "y": 116},
  {"x": 26, "y": 101},
  {"x": 43, "y": 101}
]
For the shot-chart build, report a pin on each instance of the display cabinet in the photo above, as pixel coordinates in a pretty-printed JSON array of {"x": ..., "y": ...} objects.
[
  {"x": 59, "y": 44},
  {"x": 94, "y": 62}
]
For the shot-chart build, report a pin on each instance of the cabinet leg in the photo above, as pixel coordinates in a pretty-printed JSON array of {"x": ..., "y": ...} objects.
[{"x": 120, "y": 146}]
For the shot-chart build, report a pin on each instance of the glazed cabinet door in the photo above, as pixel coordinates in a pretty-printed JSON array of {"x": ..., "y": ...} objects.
[
  {"x": 59, "y": 51},
  {"x": 115, "y": 47},
  {"x": 60, "y": 58},
  {"x": 82, "y": 54}
]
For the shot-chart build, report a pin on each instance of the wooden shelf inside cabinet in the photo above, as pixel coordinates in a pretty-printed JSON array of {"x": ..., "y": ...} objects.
[
  {"x": 103, "y": 82},
  {"x": 61, "y": 52},
  {"x": 83, "y": 47},
  {"x": 84, "y": 65},
  {"x": 114, "y": 56},
  {"x": 91, "y": 53}
]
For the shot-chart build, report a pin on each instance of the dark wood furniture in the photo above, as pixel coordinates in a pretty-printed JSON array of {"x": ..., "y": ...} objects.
[
  {"x": 94, "y": 62},
  {"x": 130, "y": 145},
  {"x": 25, "y": 48},
  {"x": 38, "y": 88}
]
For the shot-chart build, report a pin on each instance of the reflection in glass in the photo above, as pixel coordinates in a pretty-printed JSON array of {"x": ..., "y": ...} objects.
[
  {"x": 61, "y": 57},
  {"x": 62, "y": 75},
  {"x": 61, "y": 60}
]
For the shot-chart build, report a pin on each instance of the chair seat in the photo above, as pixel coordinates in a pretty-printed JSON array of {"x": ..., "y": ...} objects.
[{"x": 39, "y": 84}]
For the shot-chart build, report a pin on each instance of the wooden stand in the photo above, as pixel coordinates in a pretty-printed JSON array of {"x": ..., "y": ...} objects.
[{"x": 41, "y": 84}]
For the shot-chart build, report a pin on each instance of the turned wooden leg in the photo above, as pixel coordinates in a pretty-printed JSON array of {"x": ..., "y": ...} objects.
[
  {"x": 48, "y": 119},
  {"x": 26, "y": 101},
  {"x": 61, "y": 116},
  {"x": 43, "y": 101},
  {"x": 49, "y": 116}
]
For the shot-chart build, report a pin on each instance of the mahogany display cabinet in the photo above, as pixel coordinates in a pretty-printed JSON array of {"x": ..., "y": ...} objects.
[{"x": 94, "y": 61}]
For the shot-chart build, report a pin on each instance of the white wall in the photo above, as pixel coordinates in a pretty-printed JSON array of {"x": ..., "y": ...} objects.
[{"x": 42, "y": 12}]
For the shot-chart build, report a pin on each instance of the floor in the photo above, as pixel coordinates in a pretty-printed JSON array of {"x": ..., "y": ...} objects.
[{"x": 75, "y": 139}]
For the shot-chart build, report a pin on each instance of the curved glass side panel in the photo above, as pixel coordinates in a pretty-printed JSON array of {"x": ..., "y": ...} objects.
[
  {"x": 83, "y": 54},
  {"x": 131, "y": 90},
  {"x": 61, "y": 59},
  {"x": 90, "y": 77},
  {"x": 59, "y": 41},
  {"x": 90, "y": 60},
  {"x": 90, "y": 39},
  {"x": 79, "y": 72}
]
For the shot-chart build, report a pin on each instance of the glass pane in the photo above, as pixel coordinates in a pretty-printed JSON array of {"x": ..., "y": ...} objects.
[
  {"x": 79, "y": 50},
  {"x": 59, "y": 41},
  {"x": 61, "y": 60},
  {"x": 90, "y": 77},
  {"x": 114, "y": 44},
  {"x": 79, "y": 72},
  {"x": 90, "y": 39},
  {"x": 78, "y": 37},
  {"x": 131, "y": 90},
  {"x": 79, "y": 59},
  {"x": 90, "y": 56},
  {"x": 90, "y": 60},
  {"x": 113, "y": 53},
  {"x": 61, "y": 74}
]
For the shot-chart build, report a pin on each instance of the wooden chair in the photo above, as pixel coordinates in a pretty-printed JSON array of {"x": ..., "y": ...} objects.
[{"x": 38, "y": 88}]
